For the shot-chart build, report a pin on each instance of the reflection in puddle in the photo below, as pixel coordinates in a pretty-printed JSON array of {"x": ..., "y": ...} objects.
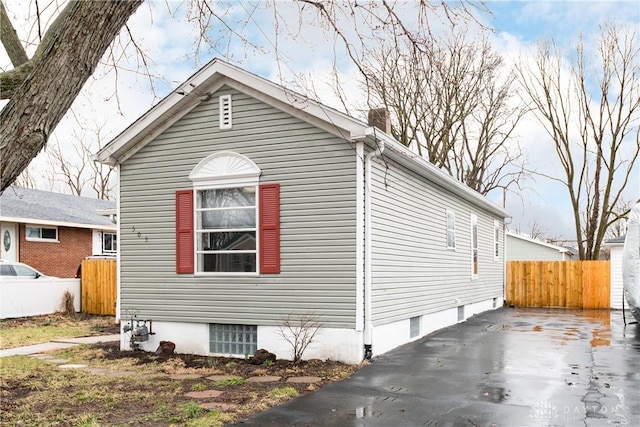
[
  {"x": 600, "y": 336},
  {"x": 494, "y": 394}
]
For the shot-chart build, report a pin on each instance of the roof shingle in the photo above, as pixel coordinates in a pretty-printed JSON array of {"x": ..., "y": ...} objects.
[{"x": 36, "y": 205}]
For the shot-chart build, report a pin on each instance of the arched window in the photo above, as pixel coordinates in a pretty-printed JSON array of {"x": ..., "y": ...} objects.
[{"x": 225, "y": 224}]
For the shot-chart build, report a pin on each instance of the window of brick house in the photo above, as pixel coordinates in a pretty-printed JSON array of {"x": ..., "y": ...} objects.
[{"x": 37, "y": 233}]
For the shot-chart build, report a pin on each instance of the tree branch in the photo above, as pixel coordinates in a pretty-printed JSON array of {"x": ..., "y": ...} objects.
[
  {"x": 66, "y": 58},
  {"x": 10, "y": 40}
]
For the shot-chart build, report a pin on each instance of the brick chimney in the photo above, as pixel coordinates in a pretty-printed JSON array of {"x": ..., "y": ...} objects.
[{"x": 380, "y": 118}]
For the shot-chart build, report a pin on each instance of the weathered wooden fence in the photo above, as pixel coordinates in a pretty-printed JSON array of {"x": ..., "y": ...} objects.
[
  {"x": 98, "y": 286},
  {"x": 571, "y": 284}
]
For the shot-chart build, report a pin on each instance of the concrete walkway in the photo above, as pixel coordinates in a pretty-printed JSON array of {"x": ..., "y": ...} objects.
[
  {"x": 57, "y": 345},
  {"x": 507, "y": 367}
]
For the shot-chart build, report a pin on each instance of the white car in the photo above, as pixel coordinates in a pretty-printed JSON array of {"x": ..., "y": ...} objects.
[{"x": 18, "y": 270}]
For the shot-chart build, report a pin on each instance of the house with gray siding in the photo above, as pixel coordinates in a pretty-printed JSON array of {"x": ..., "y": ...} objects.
[
  {"x": 242, "y": 203},
  {"x": 525, "y": 248}
]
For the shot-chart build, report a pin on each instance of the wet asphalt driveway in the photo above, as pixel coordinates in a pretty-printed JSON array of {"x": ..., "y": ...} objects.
[{"x": 508, "y": 367}]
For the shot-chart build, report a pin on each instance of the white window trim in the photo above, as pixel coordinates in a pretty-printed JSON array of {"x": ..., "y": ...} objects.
[
  {"x": 225, "y": 169},
  {"x": 474, "y": 223},
  {"x": 104, "y": 251},
  {"x": 447, "y": 229},
  {"x": 235, "y": 183},
  {"x": 40, "y": 239}
]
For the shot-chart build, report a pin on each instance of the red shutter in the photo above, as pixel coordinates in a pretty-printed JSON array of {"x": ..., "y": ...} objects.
[
  {"x": 270, "y": 228},
  {"x": 184, "y": 232}
]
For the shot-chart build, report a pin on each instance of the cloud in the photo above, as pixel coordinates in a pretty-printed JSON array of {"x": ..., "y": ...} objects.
[{"x": 307, "y": 56}]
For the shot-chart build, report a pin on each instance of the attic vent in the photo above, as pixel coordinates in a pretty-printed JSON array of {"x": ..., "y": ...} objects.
[{"x": 225, "y": 112}]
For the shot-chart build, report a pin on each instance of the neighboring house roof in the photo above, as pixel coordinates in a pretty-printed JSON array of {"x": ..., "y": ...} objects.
[
  {"x": 217, "y": 73},
  {"x": 538, "y": 242},
  {"x": 25, "y": 205},
  {"x": 616, "y": 240}
]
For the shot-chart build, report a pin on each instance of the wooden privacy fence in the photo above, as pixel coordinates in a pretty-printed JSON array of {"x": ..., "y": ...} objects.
[
  {"x": 98, "y": 286},
  {"x": 571, "y": 284}
]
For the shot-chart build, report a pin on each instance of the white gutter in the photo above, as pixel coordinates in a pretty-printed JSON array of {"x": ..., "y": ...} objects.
[
  {"x": 39, "y": 222},
  {"x": 368, "y": 276}
]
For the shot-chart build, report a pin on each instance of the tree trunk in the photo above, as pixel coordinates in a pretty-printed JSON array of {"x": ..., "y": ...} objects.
[{"x": 77, "y": 43}]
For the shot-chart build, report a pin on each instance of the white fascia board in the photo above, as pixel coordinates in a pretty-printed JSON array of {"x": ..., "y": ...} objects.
[
  {"x": 537, "y": 242},
  {"x": 168, "y": 110},
  {"x": 428, "y": 170},
  {"x": 205, "y": 82},
  {"x": 36, "y": 221}
]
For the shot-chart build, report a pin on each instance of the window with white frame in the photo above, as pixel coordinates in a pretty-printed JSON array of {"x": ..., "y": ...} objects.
[
  {"x": 496, "y": 240},
  {"x": 109, "y": 243},
  {"x": 474, "y": 246},
  {"x": 226, "y": 230},
  {"x": 229, "y": 222},
  {"x": 33, "y": 232},
  {"x": 451, "y": 229}
]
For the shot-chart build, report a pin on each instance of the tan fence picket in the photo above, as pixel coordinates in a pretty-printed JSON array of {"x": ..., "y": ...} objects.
[
  {"x": 98, "y": 286},
  {"x": 571, "y": 284}
]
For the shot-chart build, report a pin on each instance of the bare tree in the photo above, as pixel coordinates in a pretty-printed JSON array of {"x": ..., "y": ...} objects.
[
  {"x": 619, "y": 214},
  {"x": 27, "y": 179},
  {"x": 42, "y": 88},
  {"x": 591, "y": 111},
  {"x": 454, "y": 101},
  {"x": 537, "y": 231},
  {"x": 74, "y": 166}
]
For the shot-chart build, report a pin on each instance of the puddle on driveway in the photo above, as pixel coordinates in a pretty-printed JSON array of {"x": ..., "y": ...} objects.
[
  {"x": 493, "y": 394},
  {"x": 600, "y": 336}
]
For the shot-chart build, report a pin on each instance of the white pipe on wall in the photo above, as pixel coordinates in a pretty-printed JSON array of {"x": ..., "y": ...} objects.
[{"x": 368, "y": 281}]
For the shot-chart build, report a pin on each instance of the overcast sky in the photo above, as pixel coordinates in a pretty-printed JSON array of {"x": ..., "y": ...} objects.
[{"x": 308, "y": 58}]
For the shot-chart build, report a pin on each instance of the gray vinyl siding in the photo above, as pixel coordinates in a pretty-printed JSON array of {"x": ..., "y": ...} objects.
[
  {"x": 317, "y": 176},
  {"x": 524, "y": 250},
  {"x": 413, "y": 271}
]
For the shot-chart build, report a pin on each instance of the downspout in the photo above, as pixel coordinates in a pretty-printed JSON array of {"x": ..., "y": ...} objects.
[{"x": 368, "y": 279}]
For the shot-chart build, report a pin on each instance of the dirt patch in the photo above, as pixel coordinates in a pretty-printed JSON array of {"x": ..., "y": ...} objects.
[
  {"x": 53, "y": 396},
  {"x": 96, "y": 325}
]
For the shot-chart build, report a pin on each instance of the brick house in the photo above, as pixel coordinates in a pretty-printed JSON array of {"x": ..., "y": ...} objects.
[{"x": 54, "y": 232}]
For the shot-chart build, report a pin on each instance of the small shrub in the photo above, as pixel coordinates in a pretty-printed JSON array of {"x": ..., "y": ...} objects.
[
  {"x": 231, "y": 364},
  {"x": 198, "y": 387},
  {"x": 267, "y": 363},
  {"x": 66, "y": 306},
  {"x": 299, "y": 331}
]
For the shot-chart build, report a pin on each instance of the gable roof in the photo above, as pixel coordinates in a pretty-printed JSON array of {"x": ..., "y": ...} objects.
[
  {"x": 25, "y": 205},
  {"x": 205, "y": 82},
  {"x": 616, "y": 240},
  {"x": 537, "y": 242}
]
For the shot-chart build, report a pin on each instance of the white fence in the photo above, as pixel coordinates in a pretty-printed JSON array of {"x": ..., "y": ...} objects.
[{"x": 35, "y": 297}]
